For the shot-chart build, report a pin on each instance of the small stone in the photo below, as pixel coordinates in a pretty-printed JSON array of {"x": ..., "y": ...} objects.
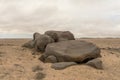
[
  {"x": 39, "y": 76},
  {"x": 96, "y": 63},
  {"x": 51, "y": 59},
  {"x": 62, "y": 65}
]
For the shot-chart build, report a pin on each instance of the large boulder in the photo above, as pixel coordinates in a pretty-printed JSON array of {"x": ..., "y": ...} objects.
[
  {"x": 71, "y": 51},
  {"x": 60, "y": 35},
  {"x": 42, "y": 41}
]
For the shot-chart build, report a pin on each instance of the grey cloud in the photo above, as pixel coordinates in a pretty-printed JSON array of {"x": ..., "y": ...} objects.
[{"x": 83, "y": 19}]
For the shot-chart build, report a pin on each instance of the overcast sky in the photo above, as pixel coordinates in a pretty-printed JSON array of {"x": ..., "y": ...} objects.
[{"x": 85, "y": 18}]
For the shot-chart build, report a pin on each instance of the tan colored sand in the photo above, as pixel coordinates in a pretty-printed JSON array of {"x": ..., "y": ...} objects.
[{"x": 16, "y": 63}]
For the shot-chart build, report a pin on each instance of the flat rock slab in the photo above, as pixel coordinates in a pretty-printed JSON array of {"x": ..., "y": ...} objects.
[
  {"x": 71, "y": 51},
  {"x": 62, "y": 65}
]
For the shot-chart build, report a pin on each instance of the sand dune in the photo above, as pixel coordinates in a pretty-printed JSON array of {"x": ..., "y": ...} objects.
[{"x": 18, "y": 63}]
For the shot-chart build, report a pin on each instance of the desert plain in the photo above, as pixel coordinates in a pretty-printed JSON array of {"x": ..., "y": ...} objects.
[{"x": 18, "y": 63}]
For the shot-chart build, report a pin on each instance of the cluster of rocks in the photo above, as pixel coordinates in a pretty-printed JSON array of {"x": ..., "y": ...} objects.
[{"x": 61, "y": 48}]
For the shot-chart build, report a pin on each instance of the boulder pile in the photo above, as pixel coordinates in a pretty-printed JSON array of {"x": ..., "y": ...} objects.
[{"x": 61, "y": 48}]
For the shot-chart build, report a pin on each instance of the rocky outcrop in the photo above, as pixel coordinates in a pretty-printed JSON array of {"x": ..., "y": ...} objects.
[{"x": 61, "y": 48}]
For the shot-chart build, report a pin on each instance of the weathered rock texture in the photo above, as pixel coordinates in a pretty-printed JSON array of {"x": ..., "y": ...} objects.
[
  {"x": 71, "y": 51},
  {"x": 96, "y": 63},
  {"x": 36, "y": 35},
  {"x": 42, "y": 41},
  {"x": 39, "y": 42},
  {"x": 60, "y": 35}
]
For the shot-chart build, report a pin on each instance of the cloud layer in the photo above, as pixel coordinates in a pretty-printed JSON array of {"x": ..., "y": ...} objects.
[{"x": 85, "y": 18}]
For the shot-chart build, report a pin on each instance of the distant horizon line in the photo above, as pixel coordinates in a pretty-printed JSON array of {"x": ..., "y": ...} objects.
[
  {"x": 75, "y": 38},
  {"x": 22, "y": 36}
]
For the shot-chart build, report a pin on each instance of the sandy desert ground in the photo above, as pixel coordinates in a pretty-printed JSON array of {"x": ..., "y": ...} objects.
[{"x": 18, "y": 63}]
